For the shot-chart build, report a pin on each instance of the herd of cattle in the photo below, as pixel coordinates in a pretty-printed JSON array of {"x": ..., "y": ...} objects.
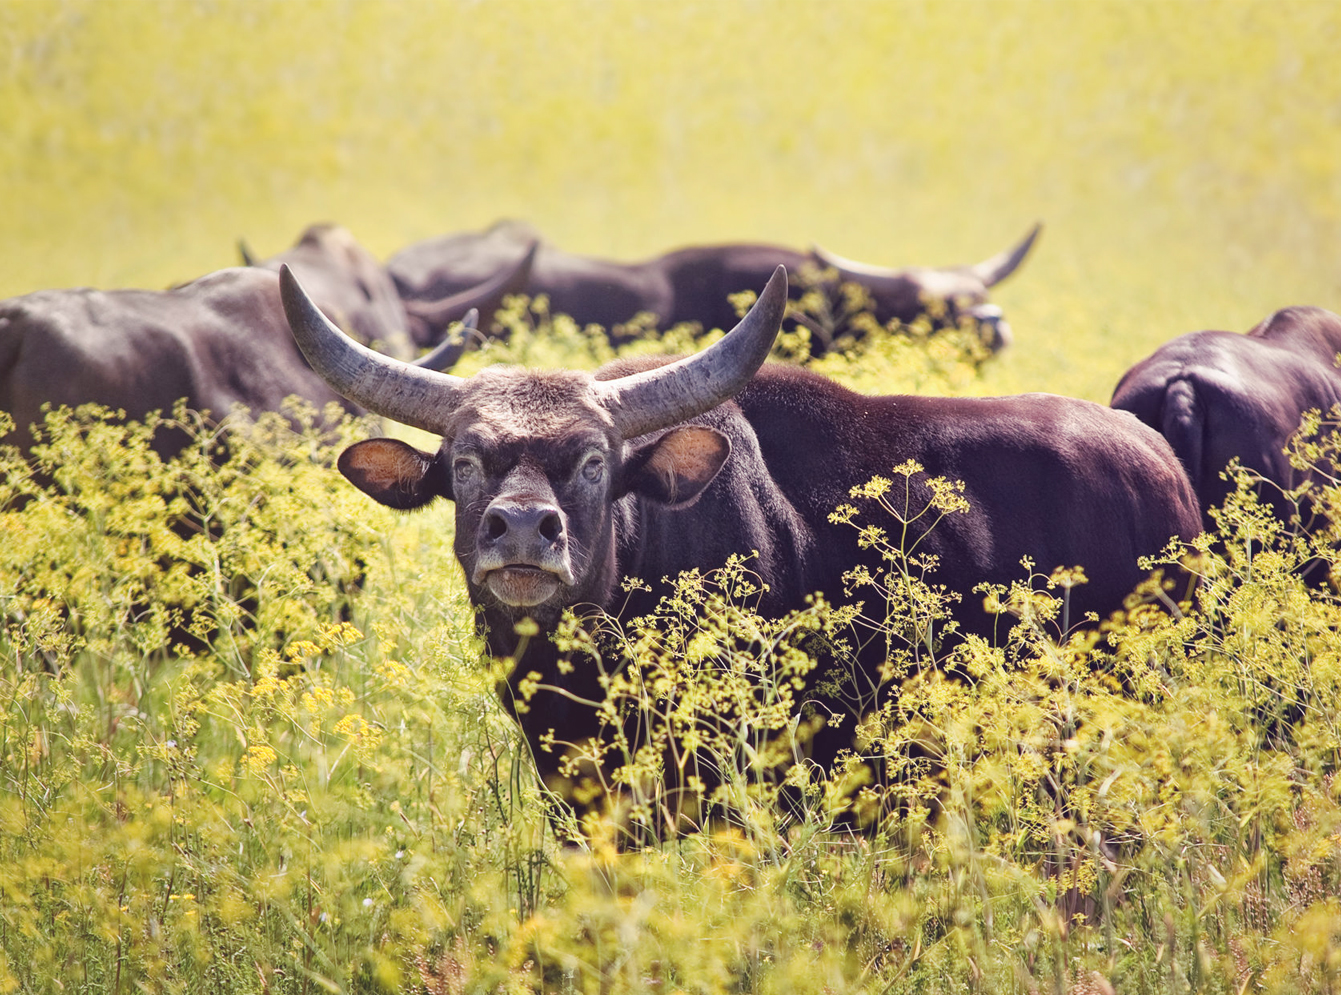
[
  {"x": 221, "y": 340},
  {"x": 564, "y": 482}
]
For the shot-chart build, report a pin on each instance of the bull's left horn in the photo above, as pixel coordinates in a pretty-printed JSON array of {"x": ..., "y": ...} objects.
[
  {"x": 385, "y": 386},
  {"x": 1003, "y": 264},
  {"x": 851, "y": 268},
  {"x": 661, "y": 397}
]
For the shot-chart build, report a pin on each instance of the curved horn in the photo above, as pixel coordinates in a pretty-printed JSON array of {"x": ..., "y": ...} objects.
[
  {"x": 843, "y": 265},
  {"x": 486, "y": 297},
  {"x": 657, "y": 398},
  {"x": 993, "y": 271},
  {"x": 449, "y": 351},
  {"x": 385, "y": 386},
  {"x": 248, "y": 257}
]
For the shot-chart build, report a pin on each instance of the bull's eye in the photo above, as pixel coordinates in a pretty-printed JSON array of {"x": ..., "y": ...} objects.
[
  {"x": 594, "y": 469},
  {"x": 463, "y": 470}
]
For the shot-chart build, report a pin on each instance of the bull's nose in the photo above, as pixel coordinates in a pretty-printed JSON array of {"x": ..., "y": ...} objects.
[{"x": 521, "y": 523}]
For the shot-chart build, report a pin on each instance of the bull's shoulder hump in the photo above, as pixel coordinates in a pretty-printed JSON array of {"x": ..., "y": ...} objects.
[{"x": 1311, "y": 332}]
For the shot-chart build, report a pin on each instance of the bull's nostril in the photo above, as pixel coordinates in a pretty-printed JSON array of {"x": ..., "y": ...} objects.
[
  {"x": 495, "y": 526},
  {"x": 551, "y": 527}
]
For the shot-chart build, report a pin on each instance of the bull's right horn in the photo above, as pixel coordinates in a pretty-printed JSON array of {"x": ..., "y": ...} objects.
[
  {"x": 402, "y": 391},
  {"x": 666, "y": 395},
  {"x": 1003, "y": 264}
]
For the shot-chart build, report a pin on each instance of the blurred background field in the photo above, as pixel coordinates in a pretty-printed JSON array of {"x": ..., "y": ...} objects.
[
  {"x": 248, "y": 741},
  {"x": 1182, "y": 155}
]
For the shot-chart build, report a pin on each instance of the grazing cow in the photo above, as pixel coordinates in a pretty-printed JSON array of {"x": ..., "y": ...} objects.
[
  {"x": 218, "y": 341},
  {"x": 1217, "y": 396},
  {"x": 693, "y": 284},
  {"x": 565, "y": 482},
  {"x": 357, "y": 293}
]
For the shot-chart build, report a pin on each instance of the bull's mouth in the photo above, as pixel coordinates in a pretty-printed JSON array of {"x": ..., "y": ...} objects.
[{"x": 521, "y": 586}]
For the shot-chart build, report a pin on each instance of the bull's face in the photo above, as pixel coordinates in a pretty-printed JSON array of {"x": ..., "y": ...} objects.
[
  {"x": 538, "y": 462},
  {"x": 530, "y": 519},
  {"x": 537, "y": 470}
]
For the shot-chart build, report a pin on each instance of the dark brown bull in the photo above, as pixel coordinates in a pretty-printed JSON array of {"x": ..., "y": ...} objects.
[
  {"x": 693, "y": 284},
  {"x": 565, "y": 482},
  {"x": 1218, "y": 396},
  {"x": 218, "y": 341}
]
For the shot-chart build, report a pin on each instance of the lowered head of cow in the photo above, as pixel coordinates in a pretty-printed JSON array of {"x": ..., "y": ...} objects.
[
  {"x": 538, "y": 462},
  {"x": 952, "y": 293}
]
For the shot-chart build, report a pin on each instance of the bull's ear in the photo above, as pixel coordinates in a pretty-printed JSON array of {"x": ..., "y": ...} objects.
[
  {"x": 394, "y": 473},
  {"x": 676, "y": 468}
]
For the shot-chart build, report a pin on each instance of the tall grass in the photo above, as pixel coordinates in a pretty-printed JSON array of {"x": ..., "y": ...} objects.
[{"x": 250, "y": 743}]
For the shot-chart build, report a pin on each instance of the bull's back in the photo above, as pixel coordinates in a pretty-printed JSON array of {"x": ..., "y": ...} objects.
[{"x": 1065, "y": 482}]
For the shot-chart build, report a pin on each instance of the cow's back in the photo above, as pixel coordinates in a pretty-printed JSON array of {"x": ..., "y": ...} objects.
[
  {"x": 1219, "y": 396},
  {"x": 216, "y": 342},
  {"x": 72, "y": 347},
  {"x": 1062, "y": 481},
  {"x": 243, "y": 346}
]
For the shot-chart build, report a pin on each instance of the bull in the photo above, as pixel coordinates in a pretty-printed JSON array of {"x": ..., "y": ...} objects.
[
  {"x": 1219, "y": 396},
  {"x": 564, "y": 482},
  {"x": 217, "y": 342},
  {"x": 694, "y": 284}
]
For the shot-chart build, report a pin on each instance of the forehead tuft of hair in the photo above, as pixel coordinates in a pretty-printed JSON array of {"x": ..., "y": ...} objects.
[{"x": 533, "y": 402}]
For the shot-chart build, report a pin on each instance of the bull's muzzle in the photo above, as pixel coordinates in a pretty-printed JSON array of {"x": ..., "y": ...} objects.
[{"x": 521, "y": 551}]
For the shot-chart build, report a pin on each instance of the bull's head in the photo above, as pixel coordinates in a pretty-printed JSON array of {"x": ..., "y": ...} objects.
[
  {"x": 537, "y": 462},
  {"x": 956, "y": 291}
]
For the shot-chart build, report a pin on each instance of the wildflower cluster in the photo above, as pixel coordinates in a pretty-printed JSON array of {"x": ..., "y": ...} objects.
[{"x": 312, "y": 791}]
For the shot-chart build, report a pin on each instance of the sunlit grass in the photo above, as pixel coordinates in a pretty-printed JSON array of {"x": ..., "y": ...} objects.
[
  {"x": 248, "y": 741},
  {"x": 225, "y": 770}
]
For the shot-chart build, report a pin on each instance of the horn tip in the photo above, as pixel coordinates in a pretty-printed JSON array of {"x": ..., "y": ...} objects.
[{"x": 295, "y": 299}]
